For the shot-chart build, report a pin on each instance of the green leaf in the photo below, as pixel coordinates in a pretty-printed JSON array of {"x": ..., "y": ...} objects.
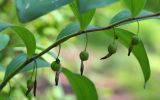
[
  {"x": 25, "y": 34},
  {"x": 153, "y": 5},
  {"x": 15, "y": 63},
  {"x": 69, "y": 30},
  {"x": 27, "y": 38},
  {"x": 4, "y": 25},
  {"x": 4, "y": 40},
  {"x": 51, "y": 53},
  {"x": 81, "y": 85},
  {"x": 40, "y": 64},
  {"x": 139, "y": 51},
  {"x": 127, "y": 14},
  {"x": 85, "y": 5},
  {"x": 135, "y": 6},
  {"x": 84, "y": 18},
  {"x": 19, "y": 60},
  {"x": 2, "y": 69},
  {"x": 38, "y": 47},
  {"x": 121, "y": 16},
  {"x": 29, "y": 10}
]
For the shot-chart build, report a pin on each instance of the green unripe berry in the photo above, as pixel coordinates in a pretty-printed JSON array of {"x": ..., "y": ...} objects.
[
  {"x": 84, "y": 55},
  {"x": 56, "y": 65},
  {"x": 135, "y": 40},
  {"x": 112, "y": 48}
]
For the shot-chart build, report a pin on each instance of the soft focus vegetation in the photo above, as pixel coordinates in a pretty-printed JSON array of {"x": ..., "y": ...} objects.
[{"x": 117, "y": 78}]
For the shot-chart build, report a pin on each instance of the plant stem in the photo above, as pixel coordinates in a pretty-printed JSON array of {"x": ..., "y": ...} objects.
[
  {"x": 86, "y": 42},
  {"x": 70, "y": 36}
]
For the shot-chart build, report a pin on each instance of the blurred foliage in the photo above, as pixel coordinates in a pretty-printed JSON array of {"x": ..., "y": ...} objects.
[{"x": 117, "y": 78}]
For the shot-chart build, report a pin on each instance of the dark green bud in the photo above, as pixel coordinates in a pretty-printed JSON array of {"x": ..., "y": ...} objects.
[
  {"x": 84, "y": 55},
  {"x": 30, "y": 83},
  {"x": 112, "y": 48},
  {"x": 55, "y": 65},
  {"x": 135, "y": 40}
]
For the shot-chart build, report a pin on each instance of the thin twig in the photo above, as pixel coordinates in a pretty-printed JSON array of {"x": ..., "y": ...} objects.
[
  {"x": 86, "y": 45},
  {"x": 138, "y": 27},
  {"x": 59, "y": 51},
  {"x": 70, "y": 36}
]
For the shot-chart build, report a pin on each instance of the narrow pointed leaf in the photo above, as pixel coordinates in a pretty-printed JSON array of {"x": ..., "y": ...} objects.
[
  {"x": 69, "y": 30},
  {"x": 84, "y": 18},
  {"x": 29, "y": 10},
  {"x": 127, "y": 14},
  {"x": 27, "y": 38},
  {"x": 153, "y": 6},
  {"x": 139, "y": 51},
  {"x": 16, "y": 63},
  {"x": 25, "y": 35},
  {"x": 135, "y": 6},
  {"x": 85, "y": 5},
  {"x": 4, "y": 25},
  {"x": 40, "y": 64},
  {"x": 38, "y": 47},
  {"x": 2, "y": 69},
  {"x": 121, "y": 16},
  {"x": 4, "y": 40},
  {"x": 81, "y": 85}
]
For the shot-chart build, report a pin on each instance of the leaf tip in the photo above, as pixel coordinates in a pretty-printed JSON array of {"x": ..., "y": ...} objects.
[{"x": 145, "y": 85}]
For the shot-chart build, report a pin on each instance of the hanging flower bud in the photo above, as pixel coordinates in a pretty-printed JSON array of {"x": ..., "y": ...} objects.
[
  {"x": 107, "y": 56},
  {"x": 112, "y": 48},
  {"x": 130, "y": 50},
  {"x": 30, "y": 85},
  {"x": 82, "y": 68},
  {"x": 56, "y": 65},
  {"x": 57, "y": 78},
  {"x": 135, "y": 41},
  {"x": 84, "y": 55},
  {"x": 35, "y": 87}
]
